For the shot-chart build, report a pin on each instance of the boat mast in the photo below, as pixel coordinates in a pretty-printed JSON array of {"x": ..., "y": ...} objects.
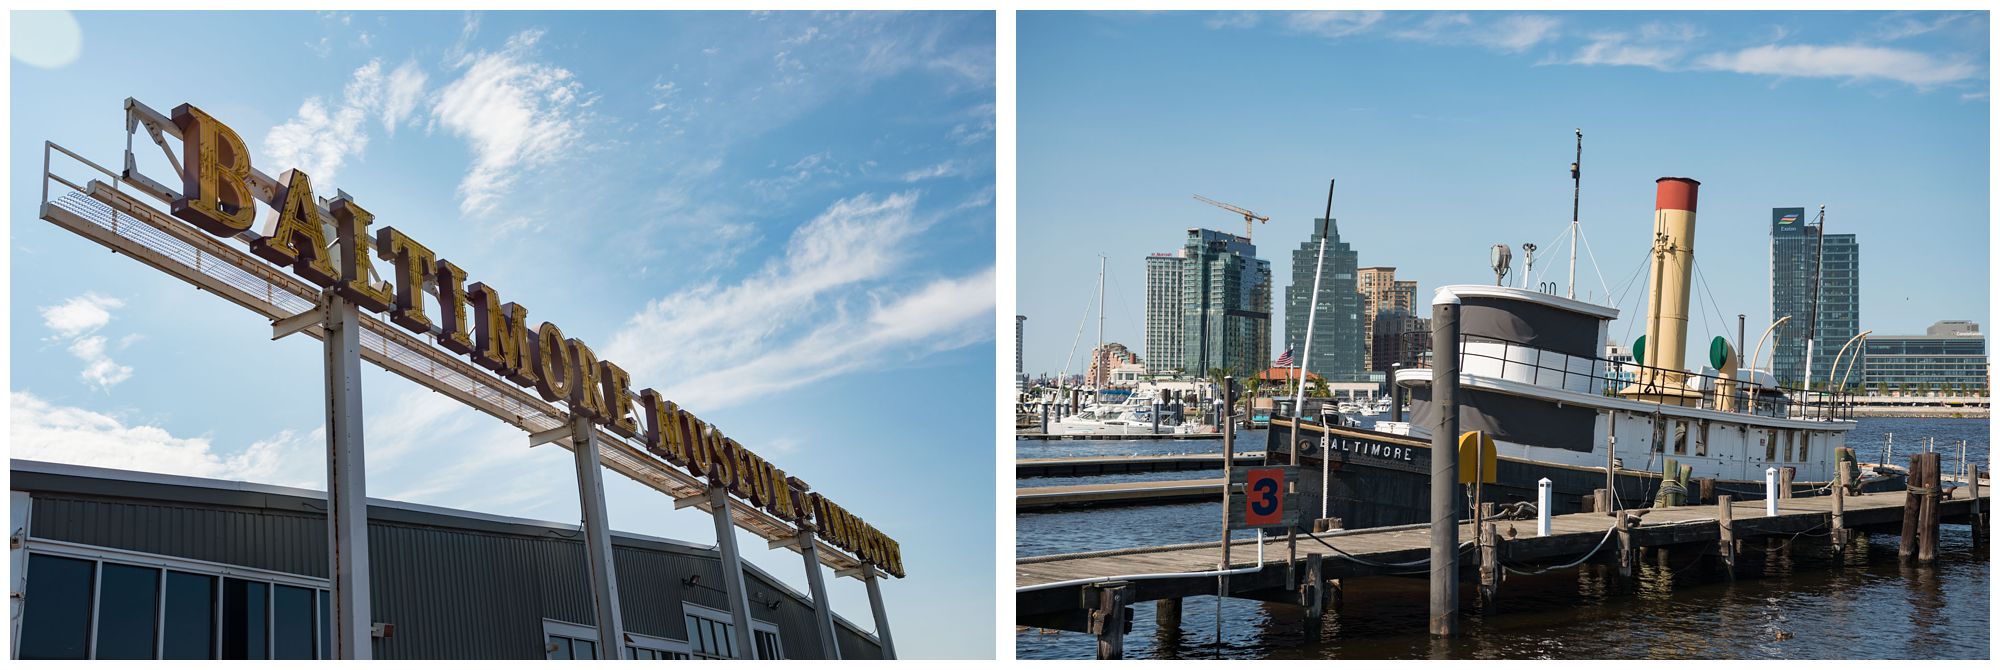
[
  {"x": 1575, "y": 198},
  {"x": 1312, "y": 312},
  {"x": 1103, "y": 375},
  {"x": 1812, "y": 309}
]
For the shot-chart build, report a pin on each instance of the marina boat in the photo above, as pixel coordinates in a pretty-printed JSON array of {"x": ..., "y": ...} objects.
[
  {"x": 1127, "y": 414},
  {"x": 1531, "y": 376}
]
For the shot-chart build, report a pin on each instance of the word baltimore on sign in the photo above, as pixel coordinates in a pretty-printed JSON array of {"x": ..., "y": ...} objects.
[{"x": 219, "y": 194}]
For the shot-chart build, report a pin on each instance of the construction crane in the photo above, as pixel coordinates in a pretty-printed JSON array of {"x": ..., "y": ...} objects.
[{"x": 1249, "y": 217}]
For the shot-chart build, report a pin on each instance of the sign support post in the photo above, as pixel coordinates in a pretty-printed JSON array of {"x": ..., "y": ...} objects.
[
  {"x": 732, "y": 572},
  {"x": 597, "y": 538},
  {"x": 881, "y": 612},
  {"x": 816, "y": 583},
  {"x": 346, "y": 481}
]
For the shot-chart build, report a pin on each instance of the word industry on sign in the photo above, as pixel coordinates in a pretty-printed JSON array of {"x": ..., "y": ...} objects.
[{"x": 217, "y": 197}]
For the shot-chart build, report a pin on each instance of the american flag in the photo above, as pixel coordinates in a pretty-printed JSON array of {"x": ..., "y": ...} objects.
[{"x": 1285, "y": 359}]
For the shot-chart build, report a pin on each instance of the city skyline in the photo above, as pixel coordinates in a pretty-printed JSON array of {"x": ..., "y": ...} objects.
[{"x": 1443, "y": 149}]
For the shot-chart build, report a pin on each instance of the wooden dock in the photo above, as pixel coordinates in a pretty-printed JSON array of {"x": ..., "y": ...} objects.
[
  {"x": 1037, "y": 435},
  {"x": 1079, "y": 592},
  {"x": 1122, "y": 493},
  {"x": 1106, "y": 465}
]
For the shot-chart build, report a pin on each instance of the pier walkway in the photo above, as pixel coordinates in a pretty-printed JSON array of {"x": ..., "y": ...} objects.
[
  {"x": 1105, "y": 465},
  {"x": 1090, "y": 592}
]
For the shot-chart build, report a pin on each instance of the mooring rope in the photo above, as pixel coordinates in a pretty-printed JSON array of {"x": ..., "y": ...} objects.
[{"x": 1461, "y": 550}]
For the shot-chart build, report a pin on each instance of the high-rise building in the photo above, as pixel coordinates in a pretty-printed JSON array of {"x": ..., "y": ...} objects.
[
  {"x": 1104, "y": 360},
  {"x": 1800, "y": 253},
  {"x": 1950, "y": 357},
  {"x": 1400, "y": 337},
  {"x": 1338, "y": 351},
  {"x": 1163, "y": 313},
  {"x": 1020, "y": 378},
  {"x": 1225, "y": 305},
  {"x": 1381, "y": 293}
]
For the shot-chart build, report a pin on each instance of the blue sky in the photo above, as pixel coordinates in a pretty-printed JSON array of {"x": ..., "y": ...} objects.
[
  {"x": 1452, "y": 131},
  {"x": 782, "y": 221}
]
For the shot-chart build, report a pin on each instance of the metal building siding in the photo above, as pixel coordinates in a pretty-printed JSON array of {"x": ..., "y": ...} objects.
[
  {"x": 650, "y": 590},
  {"x": 257, "y": 538},
  {"x": 458, "y": 594},
  {"x": 855, "y": 647}
]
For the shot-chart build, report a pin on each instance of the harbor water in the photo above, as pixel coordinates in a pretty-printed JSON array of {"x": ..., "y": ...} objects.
[{"x": 1810, "y": 604}]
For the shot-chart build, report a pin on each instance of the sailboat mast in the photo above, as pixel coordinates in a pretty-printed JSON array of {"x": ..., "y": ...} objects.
[
  {"x": 1575, "y": 198},
  {"x": 1812, "y": 309},
  {"x": 1312, "y": 314},
  {"x": 1103, "y": 375}
]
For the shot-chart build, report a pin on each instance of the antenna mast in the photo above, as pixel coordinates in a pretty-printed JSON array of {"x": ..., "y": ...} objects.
[{"x": 1575, "y": 198}]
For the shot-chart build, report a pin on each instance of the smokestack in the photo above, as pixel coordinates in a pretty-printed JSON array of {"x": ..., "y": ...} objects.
[{"x": 1672, "y": 272}]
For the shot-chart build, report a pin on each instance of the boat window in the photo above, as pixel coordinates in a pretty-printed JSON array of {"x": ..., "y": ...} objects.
[
  {"x": 1805, "y": 442},
  {"x": 1680, "y": 437},
  {"x": 1770, "y": 445},
  {"x": 1789, "y": 439},
  {"x": 1659, "y": 435},
  {"x": 1701, "y": 439}
]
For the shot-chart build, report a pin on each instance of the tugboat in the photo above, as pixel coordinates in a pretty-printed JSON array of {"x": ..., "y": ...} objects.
[{"x": 1531, "y": 376}]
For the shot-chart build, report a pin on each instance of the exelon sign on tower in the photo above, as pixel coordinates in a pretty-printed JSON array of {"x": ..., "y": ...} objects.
[{"x": 218, "y": 197}]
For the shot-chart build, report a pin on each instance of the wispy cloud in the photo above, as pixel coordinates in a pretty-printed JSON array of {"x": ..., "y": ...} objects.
[
  {"x": 944, "y": 169},
  {"x": 1661, "y": 46},
  {"x": 44, "y": 431},
  {"x": 1332, "y": 23},
  {"x": 1904, "y": 26},
  {"x": 1843, "y": 62},
  {"x": 78, "y": 319},
  {"x": 320, "y": 138},
  {"x": 517, "y": 114},
  {"x": 1509, "y": 34},
  {"x": 830, "y": 291}
]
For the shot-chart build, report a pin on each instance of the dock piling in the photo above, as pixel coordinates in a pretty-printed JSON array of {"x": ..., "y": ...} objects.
[
  {"x": 1489, "y": 554},
  {"x": 1770, "y": 491},
  {"x": 1312, "y": 592},
  {"x": 1167, "y": 620},
  {"x": 1785, "y": 482},
  {"x": 1628, "y": 554},
  {"x": 1601, "y": 502},
  {"x": 1840, "y": 508},
  {"x": 1726, "y": 538},
  {"x": 1444, "y": 466},
  {"x": 1978, "y": 517},
  {"x": 1543, "y": 498},
  {"x": 1927, "y": 516},
  {"x": 1110, "y": 619},
  {"x": 1912, "y": 488}
]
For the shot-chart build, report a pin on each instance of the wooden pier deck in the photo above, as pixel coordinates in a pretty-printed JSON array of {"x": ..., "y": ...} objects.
[
  {"x": 1122, "y": 493},
  {"x": 1057, "y": 591},
  {"x": 1105, "y": 465},
  {"x": 1036, "y": 434}
]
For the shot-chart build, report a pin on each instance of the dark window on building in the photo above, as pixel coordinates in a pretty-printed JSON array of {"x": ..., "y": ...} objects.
[
  {"x": 767, "y": 646},
  {"x": 245, "y": 619},
  {"x": 190, "y": 617},
  {"x": 127, "y": 605},
  {"x": 565, "y": 648},
  {"x": 710, "y": 638},
  {"x": 291, "y": 623},
  {"x": 56, "y": 617}
]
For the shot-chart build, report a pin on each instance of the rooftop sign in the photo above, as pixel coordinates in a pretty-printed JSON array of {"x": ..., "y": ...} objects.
[{"x": 219, "y": 189}]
